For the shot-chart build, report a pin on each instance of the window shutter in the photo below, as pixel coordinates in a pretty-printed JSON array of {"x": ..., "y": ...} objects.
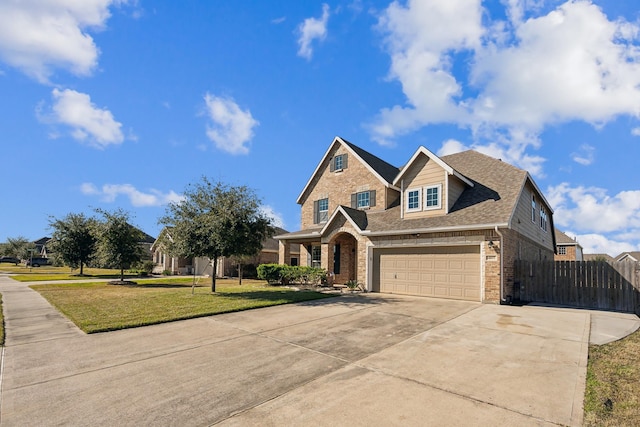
[
  {"x": 316, "y": 212},
  {"x": 354, "y": 201},
  {"x": 372, "y": 198},
  {"x": 332, "y": 164},
  {"x": 344, "y": 161}
]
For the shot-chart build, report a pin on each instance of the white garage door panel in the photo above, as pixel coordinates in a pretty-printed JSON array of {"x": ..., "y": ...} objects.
[{"x": 447, "y": 272}]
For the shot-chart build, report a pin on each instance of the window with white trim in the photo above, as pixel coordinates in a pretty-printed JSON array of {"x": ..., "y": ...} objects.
[
  {"x": 323, "y": 210},
  {"x": 432, "y": 197},
  {"x": 338, "y": 165},
  {"x": 543, "y": 219},
  {"x": 533, "y": 208},
  {"x": 316, "y": 255},
  {"x": 363, "y": 199},
  {"x": 562, "y": 250},
  {"x": 413, "y": 200}
]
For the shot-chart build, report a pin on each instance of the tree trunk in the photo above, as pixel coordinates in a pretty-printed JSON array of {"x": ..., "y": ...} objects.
[
  {"x": 214, "y": 273},
  {"x": 81, "y": 268},
  {"x": 240, "y": 274},
  {"x": 121, "y": 273}
]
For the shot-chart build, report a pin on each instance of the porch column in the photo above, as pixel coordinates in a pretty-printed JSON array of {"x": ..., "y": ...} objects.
[
  {"x": 304, "y": 255},
  {"x": 284, "y": 252},
  {"x": 324, "y": 256}
]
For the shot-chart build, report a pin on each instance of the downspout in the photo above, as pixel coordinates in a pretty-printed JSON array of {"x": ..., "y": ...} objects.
[{"x": 502, "y": 299}]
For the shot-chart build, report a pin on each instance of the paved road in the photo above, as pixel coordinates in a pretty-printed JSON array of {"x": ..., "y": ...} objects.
[{"x": 354, "y": 360}]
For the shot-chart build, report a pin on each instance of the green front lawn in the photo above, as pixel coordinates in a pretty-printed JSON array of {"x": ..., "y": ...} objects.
[
  {"x": 612, "y": 396},
  {"x": 99, "y": 307},
  {"x": 39, "y": 274}
]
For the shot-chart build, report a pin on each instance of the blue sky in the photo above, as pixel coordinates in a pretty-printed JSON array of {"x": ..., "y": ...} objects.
[{"x": 121, "y": 104}]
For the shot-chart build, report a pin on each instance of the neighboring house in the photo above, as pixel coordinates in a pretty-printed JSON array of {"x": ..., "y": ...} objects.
[
  {"x": 449, "y": 226},
  {"x": 628, "y": 256},
  {"x": 598, "y": 257},
  {"x": 227, "y": 267},
  {"x": 567, "y": 249},
  {"x": 146, "y": 243},
  {"x": 41, "y": 247}
]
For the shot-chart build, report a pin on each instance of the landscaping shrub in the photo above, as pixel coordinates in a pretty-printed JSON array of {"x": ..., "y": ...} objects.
[{"x": 285, "y": 274}]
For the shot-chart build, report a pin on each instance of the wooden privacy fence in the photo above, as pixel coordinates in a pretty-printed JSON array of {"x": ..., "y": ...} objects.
[{"x": 584, "y": 284}]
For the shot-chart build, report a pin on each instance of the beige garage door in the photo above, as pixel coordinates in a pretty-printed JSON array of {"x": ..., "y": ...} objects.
[{"x": 443, "y": 272}]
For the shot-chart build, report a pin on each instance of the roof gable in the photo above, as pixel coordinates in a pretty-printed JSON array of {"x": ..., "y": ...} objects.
[
  {"x": 423, "y": 151},
  {"x": 563, "y": 240},
  {"x": 357, "y": 218},
  {"x": 382, "y": 170}
]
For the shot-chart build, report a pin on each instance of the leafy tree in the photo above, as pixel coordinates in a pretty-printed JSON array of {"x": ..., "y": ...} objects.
[
  {"x": 118, "y": 242},
  {"x": 18, "y": 247},
  {"x": 74, "y": 239},
  {"x": 216, "y": 220}
]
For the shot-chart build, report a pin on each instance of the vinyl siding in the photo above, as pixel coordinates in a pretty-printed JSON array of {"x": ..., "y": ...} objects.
[
  {"x": 425, "y": 172},
  {"x": 456, "y": 187},
  {"x": 522, "y": 218}
]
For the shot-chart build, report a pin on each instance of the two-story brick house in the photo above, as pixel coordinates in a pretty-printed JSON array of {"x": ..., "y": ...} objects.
[{"x": 449, "y": 226}]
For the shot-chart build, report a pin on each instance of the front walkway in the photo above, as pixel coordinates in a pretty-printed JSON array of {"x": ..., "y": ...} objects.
[{"x": 354, "y": 360}]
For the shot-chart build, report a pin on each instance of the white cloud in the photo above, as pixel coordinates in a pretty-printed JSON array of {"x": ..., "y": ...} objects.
[
  {"x": 312, "y": 29},
  {"x": 585, "y": 156},
  {"x": 39, "y": 36},
  {"x": 600, "y": 222},
  {"x": 535, "y": 69},
  {"x": 90, "y": 124},
  {"x": 635, "y": 131},
  {"x": 451, "y": 146},
  {"x": 592, "y": 209},
  {"x": 231, "y": 128},
  {"x": 599, "y": 244},
  {"x": 276, "y": 217},
  {"x": 109, "y": 192}
]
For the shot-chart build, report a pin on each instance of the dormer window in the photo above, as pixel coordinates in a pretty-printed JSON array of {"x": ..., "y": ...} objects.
[
  {"x": 338, "y": 163},
  {"x": 432, "y": 197}
]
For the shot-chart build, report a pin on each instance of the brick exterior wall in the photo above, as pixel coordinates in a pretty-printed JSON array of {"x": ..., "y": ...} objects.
[
  {"x": 519, "y": 247},
  {"x": 338, "y": 187},
  {"x": 570, "y": 254}
]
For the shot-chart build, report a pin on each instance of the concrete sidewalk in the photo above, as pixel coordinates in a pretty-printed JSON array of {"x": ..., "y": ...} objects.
[{"x": 354, "y": 360}]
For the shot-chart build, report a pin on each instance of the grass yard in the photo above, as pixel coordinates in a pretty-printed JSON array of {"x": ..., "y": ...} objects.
[
  {"x": 99, "y": 307},
  {"x": 612, "y": 396},
  {"x": 47, "y": 273}
]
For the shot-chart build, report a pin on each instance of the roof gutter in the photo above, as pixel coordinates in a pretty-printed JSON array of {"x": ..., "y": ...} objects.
[{"x": 434, "y": 229}]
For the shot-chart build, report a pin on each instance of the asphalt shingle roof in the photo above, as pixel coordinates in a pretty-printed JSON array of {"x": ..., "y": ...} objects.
[
  {"x": 492, "y": 199},
  {"x": 384, "y": 169}
]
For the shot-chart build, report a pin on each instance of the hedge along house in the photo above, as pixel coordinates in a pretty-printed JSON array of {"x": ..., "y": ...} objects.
[{"x": 449, "y": 226}]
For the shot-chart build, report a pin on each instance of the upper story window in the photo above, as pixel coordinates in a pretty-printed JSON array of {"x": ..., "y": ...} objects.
[
  {"x": 338, "y": 163},
  {"x": 543, "y": 219},
  {"x": 432, "y": 197},
  {"x": 320, "y": 211},
  {"x": 562, "y": 250},
  {"x": 363, "y": 199},
  {"x": 533, "y": 208},
  {"x": 413, "y": 200}
]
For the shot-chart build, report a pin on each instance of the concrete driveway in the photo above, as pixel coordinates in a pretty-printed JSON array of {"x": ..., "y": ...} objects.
[{"x": 353, "y": 360}]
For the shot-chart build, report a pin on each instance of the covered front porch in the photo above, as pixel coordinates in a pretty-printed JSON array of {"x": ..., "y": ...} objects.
[{"x": 339, "y": 254}]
